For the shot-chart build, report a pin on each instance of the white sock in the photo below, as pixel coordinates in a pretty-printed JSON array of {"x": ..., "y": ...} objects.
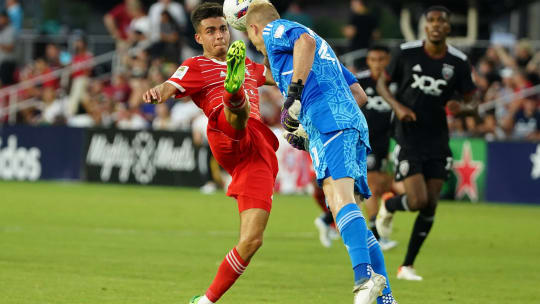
[{"x": 204, "y": 300}]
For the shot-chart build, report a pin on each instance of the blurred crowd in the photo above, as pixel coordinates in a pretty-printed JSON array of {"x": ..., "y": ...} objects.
[
  {"x": 150, "y": 44},
  {"x": 152, "y": 41},
  {"x": 508, "y": 96}
]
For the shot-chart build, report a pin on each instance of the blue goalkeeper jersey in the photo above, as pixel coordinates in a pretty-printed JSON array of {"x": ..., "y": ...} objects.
[{"x": 327, "y": 101}]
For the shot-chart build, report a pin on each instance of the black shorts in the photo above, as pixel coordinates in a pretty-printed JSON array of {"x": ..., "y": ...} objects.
[
  {"x": 378, "y": 158},
  {"x": 432, "y": 166}
]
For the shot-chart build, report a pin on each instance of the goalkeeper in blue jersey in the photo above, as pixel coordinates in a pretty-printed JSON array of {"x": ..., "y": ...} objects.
[{"x": 308, "y": 73}]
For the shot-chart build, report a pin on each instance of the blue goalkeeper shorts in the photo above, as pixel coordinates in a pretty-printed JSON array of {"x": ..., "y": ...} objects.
[{"x": 340, "y": 154}]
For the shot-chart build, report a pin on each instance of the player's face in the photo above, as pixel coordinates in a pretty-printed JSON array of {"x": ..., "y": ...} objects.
[
  {"x": 377, "y": 61},
  {"x": 213, "y": 34},
  {"x": 437, "y": 26},
  {"x": 254, "y": 32}
]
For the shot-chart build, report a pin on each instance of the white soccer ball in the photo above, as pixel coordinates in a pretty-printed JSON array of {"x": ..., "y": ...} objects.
[{"x": 235, "y": 12}]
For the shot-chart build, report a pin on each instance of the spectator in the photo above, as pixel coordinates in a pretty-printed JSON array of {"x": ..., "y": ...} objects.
[
  {"x": 523, "y": 120},
  {"x": 139, "y": 31},
  {"x": 176, "y": 12},
  {"x": 119, "y": 90},
  {"x": 129, "y": 119},
  {"x": 52, "y": 111},
  {"x": 163, "y": 118},
  {"x": 52, "y": 56},
  {"x": 296, "y": 13},
  {"x": 15, "y": 13},
  {"x": 362, "y": 27},
  {"x": 118, "y": 20},
  {"x": 522, "y": 55},
  {"x": 79, "y": 75},
  {"x": 193, "y": 48},
  {"x": 183, "y": 113},
  {"x": 168, "y": 45},
  {"x": 7, "y": 47}
]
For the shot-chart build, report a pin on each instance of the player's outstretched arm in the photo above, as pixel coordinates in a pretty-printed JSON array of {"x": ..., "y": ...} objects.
[
  {"x": 359, "y": 94},
  {"x": 159, "y": 93},
  {"x": 402, "y": 112},
  {"x": 303, "y": 55}
]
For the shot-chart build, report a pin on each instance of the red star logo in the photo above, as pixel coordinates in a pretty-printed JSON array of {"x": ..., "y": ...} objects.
[{"x": 467, "y": 171}]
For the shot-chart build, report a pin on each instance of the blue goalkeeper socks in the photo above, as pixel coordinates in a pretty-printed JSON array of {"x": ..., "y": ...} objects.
[
  {"x": 353, "y": 229},
  {"x": 377, "y": 262},
  {"x": 385, "y": 299}
]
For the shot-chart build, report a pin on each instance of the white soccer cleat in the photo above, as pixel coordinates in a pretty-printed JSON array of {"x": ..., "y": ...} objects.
[
  {"x": 408, "y": 273},
  {"x": 384, "y": 222},
  {"x": 387, "y": 244},
  {"x": 324, "y": 232},
  {"x": 334, "y": 234},
  {"x": 368, "y": 292}
]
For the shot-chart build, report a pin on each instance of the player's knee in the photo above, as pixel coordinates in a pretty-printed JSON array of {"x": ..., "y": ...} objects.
[
  {"x": 237, "y": 122},
  {"x": 417, "y": 202},
  {"x": 250, "y": 245},
  {"x": 237, "y": 118}
]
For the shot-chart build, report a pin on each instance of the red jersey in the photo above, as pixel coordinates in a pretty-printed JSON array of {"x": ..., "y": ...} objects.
[
  {"x": 203, "y": 79},
  {"x": 80, "y": 59}
]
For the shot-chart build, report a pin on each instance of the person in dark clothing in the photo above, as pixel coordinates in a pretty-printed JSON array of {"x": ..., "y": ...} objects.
[{"x": 362, "y": 26}]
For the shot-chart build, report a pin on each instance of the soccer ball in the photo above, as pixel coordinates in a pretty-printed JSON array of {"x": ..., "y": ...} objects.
[{"x": 235, "y": 12}]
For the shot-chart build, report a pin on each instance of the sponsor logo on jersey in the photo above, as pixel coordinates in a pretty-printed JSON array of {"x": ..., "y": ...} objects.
[
  {"x": 19, "y": 163},
  {"x": 377, "y": 103},
  {"x": 279, "y": 31},
  {"x": 324, "y": 52},
  {"x": 447, "y": 71},
  {"x": 428, "y": 84},
  {"x": 222, "y": 74},
  {"x": 404, "y": 168},
  {"x": 180, "y": 72},
  {"x": 417, "y": 68}
]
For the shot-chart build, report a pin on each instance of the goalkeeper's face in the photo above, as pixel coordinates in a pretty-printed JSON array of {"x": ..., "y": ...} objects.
[
  {"x": 214, "y": 36},
  {"x": 254, "y": 32}
]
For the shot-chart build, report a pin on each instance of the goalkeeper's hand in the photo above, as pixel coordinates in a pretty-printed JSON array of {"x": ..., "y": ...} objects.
[
  {"x": 291, "y": 107},
  {"x": 298, "y": 139}
]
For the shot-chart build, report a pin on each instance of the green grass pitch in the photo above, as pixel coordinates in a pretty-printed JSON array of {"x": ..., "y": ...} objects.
[{"x": 70, "y": 243}]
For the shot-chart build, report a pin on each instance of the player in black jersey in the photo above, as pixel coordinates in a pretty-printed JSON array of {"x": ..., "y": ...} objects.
[
  {"x": 378, "y": 114},
  {"x": 428, "y": 73}
]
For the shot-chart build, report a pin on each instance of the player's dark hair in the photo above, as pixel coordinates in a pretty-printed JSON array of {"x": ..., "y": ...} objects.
[
  {"x": 204, "y": 11},
  {"x": 381, "y": 48},
  {"x": 438, "y": 8}
]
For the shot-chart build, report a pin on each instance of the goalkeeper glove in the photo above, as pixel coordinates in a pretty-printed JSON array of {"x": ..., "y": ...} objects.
[
  {"x": 298, "y": 139},
  {"x": 291, "y": 108}
]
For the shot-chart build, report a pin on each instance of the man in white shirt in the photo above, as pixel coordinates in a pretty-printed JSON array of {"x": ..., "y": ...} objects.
[{"x": 175, "y": 9}]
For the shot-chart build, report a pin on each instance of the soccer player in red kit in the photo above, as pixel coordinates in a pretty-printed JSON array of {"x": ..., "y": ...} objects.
[{"x": 223, "y": 83}]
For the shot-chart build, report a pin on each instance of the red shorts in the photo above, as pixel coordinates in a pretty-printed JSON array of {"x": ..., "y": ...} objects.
[{"x": 248, "y": 155}]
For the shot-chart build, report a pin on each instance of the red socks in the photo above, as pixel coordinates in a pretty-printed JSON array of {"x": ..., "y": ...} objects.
[
  {"x": 236, "y": 100},
  {"x": 230, "y": 269}
]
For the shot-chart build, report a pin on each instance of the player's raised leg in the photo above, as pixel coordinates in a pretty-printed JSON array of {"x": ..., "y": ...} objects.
[{"x": 234, "y": 98}]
